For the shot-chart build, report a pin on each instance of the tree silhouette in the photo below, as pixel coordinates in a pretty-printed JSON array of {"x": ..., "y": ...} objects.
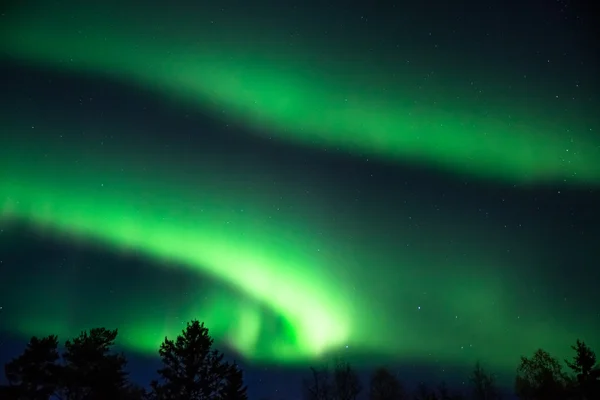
[
  {"x": 88, "y": 370},
  {"x": 134, "y": 392},
  {"x": 483, "y": 384},
  {"x": 587, "y": 372},
  {"x": 346, "y": 383},
  {"x": 319, "y": 387},
  {"x": 192, "y": 369},
  {"x": 234, "y": 384},
  {"x": 33, "y": 374},
  {"x": 91, "y": 370},
  {"x": 385, "y": 386},
  {"x": 540, "y": 378},
  {"x": 342, "y": 383}
]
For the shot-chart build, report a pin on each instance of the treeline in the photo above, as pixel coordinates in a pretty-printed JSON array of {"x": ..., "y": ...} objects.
[{"x": 192, "y": 369}]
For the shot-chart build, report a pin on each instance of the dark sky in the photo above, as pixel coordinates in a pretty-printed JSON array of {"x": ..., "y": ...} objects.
[{"x": 414, "y": 185}]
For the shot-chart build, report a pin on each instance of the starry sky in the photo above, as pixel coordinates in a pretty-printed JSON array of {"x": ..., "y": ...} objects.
[{"x": 391, "y": 182}]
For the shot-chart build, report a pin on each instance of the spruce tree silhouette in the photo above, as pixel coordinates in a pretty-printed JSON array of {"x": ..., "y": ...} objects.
[
  {"x": 33, "y": 374},
  {"x": 88, "y": 370},
  {"x": 192, "y": 369},
  {"x": 234, "y": 385},
  {"x": 483, "y": 384},
  {"x": 92, "y": 371},
  {"x": 586, "y": 385},
  {"x": 540, "y": 378},
  {"x": 385, "y": 386}
]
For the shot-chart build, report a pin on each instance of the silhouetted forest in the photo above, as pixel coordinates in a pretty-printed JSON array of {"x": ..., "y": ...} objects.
[{"x": 192, "y": 369}]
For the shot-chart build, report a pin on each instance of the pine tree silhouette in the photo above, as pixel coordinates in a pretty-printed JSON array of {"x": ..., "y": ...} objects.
[{"x": 192, "y": 369}]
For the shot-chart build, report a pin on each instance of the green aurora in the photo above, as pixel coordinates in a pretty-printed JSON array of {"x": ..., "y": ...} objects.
[
  {"x": 297, "y": 95},
  {"x": 213, "y": 225},
  {"x": 286, "y": 258}
]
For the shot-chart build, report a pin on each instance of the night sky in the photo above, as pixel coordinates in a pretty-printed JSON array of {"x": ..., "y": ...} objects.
[{"x": 406, "y": 183}]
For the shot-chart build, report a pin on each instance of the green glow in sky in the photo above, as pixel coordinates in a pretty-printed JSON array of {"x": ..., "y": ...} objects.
[
  {"x": 284, "y": 257},
  {"x": 392, "y": 289},
  {"x": 288, "y": 92},
  {"x": 263, "y": 261}
]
